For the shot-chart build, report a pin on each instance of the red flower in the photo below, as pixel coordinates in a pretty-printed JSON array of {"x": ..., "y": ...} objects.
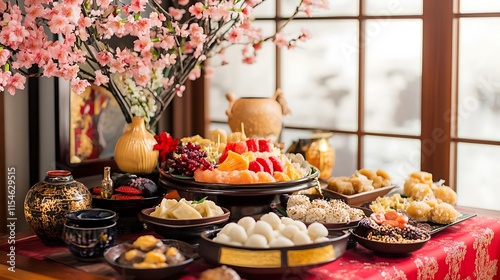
[{"x": 166, "y": 145}]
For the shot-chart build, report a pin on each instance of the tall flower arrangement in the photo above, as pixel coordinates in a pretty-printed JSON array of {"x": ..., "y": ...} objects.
[{"x": 169, "y": 43}]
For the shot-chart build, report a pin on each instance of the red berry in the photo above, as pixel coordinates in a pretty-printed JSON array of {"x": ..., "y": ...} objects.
[
  {"x": 266, "y": 164},
  {"x": 265, "y": 145},
  {"x": 255, "y": 166},
  {"x": 96, "y": 190},
  {"x": 253, "y": 144},
  {"x": 277, "y": 164},
  {"x": 240, "y": 147},
  {"x": 128, "y": 190}
]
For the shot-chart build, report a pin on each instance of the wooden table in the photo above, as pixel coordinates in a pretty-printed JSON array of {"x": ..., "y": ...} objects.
[{"x": 32, "y": 268}]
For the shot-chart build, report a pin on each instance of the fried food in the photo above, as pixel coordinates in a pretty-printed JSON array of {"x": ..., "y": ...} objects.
[
  {"x": 362, "y": 180},
  {"x": 220, "y": 273},
  {"x": 444, "y": 213},
  {"x": 446, "y": 194},
  {"x": 419, "y": 211}
]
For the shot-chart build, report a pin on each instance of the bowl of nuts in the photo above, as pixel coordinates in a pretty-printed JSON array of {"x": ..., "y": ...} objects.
[{"x": 390, "y": 234}]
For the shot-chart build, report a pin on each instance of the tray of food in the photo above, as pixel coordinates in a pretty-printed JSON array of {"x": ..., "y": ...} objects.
[{"x": 360, "y": 188}]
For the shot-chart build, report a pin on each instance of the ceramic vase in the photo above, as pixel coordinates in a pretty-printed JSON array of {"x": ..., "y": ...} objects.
[
  {"x": 259, "y": 117},
  {"x": 47, "y": 203},
  {"x": 134, "y": 149}
]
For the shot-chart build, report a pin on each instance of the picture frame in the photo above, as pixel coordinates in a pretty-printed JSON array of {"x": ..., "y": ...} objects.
[{"x": 88, "y": 126}]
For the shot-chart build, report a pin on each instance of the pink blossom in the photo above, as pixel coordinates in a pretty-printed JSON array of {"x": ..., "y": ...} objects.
[
  {"x": 280, "y": 40},
  {"x": 4, "y": 55},
  {"x": 103, "y": 58},
  {"x": 138, "y": 6},
  {"x": 24, "y": 59},
  {"x": 252, "y": 3},
  {"x": 100, "y": 79},
  {"x": 78, "y": 86},
  {"x": 58, "y": 24},
  {"x": 3, "y": 7},
  {"x": 235, "y": 35},
  {"x": 104, "y": 4},
  {"x": 179, "y": 90},
  {"x": 50, "y": 69},
  {"x": 306, "y": 34},
  {"x": 249, "y": 59},
  {"x": 143, "y": 44},
  {"x": 176, "y": 13},
  {"x": 183, "y": 2},
  {"x": 209, "y": 71},
  {"x": 194, "y": 74},
  {"x": 197, "y": 10},
  {"x": 17, "y": 81}
]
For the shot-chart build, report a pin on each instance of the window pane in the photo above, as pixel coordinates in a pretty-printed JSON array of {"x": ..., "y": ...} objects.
[
  {"x": 399, "y": 157},
  {"x": 267, "y": 8},
  {"x": 244, "y": 80},
  {"x": 477, "y": 176},
  {"x": 479, "y": 79},
  {"x": 336, "y": 8},
  {"x": 393, "y": 76},
  {"x": 319, "y": 77},
  {"x": 479, "y": 6},
  {"x": 345, "y": 146},
  {"x": 391, "y": 7}
]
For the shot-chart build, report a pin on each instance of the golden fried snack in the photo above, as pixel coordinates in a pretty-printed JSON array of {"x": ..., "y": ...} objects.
[
  {"x": 370, "y": 174},
  {"x": 420, "y": 177},
  {"x": 421, "y": 191},
  {"x": 361, "y": 183},
  {"x": 341, "y": 185},
  {"x": 446, "y": 194},
  {"x": 444, "y": 213},
  {"x": 419, "y": 210}
]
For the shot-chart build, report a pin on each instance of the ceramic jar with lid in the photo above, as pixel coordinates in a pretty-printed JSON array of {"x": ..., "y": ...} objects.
[{"x": 48, "y": 201}]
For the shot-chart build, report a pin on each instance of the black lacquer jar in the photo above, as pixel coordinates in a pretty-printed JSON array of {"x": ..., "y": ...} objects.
[{"x": 47, "y": 203}]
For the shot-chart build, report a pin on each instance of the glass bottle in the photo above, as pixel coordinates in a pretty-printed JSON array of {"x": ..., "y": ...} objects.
[{"x": 107, "y": 184}]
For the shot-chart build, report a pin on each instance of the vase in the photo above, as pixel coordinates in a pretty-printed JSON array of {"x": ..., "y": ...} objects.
[
  {"x": 47, "y": 203},
  {"x": 257, "y": 117},
  {"x": 134, "y": 149},
  {"x": 321, "y": 154}
]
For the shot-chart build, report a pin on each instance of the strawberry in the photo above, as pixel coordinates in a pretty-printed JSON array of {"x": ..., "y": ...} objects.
[
  {"x": 266, "y": 164},
  {"x": 277, "y": 164},
  {"x": 255, "y": 166},
  {"x": 128, "y": 190},
  {"x": 129, "y": 197},
  {"x": 96, "y": 190},
  {"x": 240, "y": 147},
  {"x": 265, "y": 145},
  {"x": 253, "y": 145}
]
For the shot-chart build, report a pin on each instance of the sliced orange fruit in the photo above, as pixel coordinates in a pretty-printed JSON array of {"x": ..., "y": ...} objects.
[{"x": 234, "y": 161}]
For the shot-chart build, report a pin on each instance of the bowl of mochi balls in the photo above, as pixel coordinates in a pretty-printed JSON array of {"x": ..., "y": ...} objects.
[{"x": 272, "y": 245}]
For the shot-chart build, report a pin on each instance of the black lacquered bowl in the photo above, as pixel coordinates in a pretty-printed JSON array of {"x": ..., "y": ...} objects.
[
  {"x": 129, "y": 272},
  {"x": 387, "y": 248},
  {"x": 281, "y": 260}
]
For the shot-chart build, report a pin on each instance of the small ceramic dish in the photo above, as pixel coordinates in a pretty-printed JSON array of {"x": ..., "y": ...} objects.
[
  {"x": 390, "y": 249},
  {"x": 128, "y": 272},
  {"x": 294, "y": 259},
  {"x": 146, "y": 215}
]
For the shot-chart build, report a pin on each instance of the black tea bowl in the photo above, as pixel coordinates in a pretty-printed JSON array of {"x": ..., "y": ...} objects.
[{"x": 88, "y": 243}]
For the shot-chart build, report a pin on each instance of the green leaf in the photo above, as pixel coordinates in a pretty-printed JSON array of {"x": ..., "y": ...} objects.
[{"x": 199, "y": 201}]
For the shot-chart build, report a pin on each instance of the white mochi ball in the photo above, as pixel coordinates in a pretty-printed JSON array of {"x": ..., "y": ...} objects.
[
  {"x": 238, "y": 234},
  {"x": 289, "y": 231},
  {"x": 272, "y": 219},
  {"x": 222, "y": 238},
  {"x": 286, "y": 221},
  {"x": 247, "y": 222},
  {"x": 281, "y": 241},
  {"x": 281, "y": 227},
  {"x": 316, "y": 230},
  {"x": 321, "y": 239},
  {"x": 300, "y": 225},
  {"x": 234, "y": 243},
  {"x": 264, "y": 229},
  {"x": 301, "y": 238},
  {"x": 256, "y": 241},
  {"x": 226, "y": 228}
]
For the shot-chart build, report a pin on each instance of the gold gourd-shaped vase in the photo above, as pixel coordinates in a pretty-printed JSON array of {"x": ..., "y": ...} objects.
[
  {"x": 134, "y": 149},
  {"x": 321, "y": 154}
]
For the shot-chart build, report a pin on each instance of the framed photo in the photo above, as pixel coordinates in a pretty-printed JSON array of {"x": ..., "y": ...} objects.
[{"x": 89, "y": 126}]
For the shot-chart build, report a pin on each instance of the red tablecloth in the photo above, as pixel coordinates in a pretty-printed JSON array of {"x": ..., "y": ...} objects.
[{"x": 468, "y": 250}]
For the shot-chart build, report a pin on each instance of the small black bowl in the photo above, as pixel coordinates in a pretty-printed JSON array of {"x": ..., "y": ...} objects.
[
  {"x": 89, "y": 243},
  {"x": 91, "y": 217}
]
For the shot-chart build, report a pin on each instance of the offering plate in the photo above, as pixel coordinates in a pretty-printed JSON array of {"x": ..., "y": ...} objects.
[{"x": 240, "y": 199}]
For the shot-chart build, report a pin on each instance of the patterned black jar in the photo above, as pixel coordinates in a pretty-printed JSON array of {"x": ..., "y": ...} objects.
[{"x": 47, "y": 203}]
